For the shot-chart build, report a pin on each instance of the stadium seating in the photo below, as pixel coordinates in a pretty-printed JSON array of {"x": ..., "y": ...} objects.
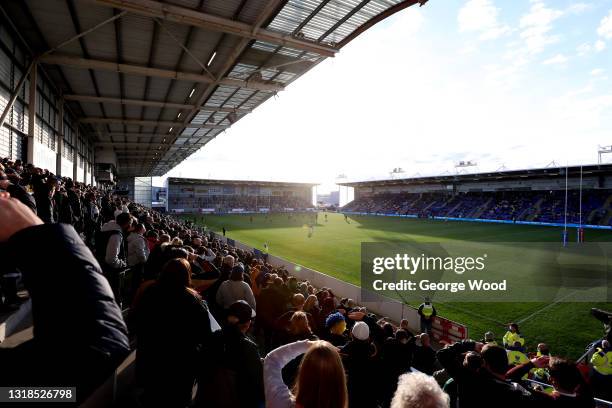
[{"x": 537, "y": 206}]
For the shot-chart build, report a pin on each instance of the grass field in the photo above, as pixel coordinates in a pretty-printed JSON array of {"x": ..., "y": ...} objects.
[{"x": 334, "y": 249}]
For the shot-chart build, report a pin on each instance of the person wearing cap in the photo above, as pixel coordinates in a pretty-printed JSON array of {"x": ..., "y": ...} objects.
[
  {"x": 427, "y": 312},
  {"x": 232, "y": 373},
  {"x": 235, "y": 289},
  {"x": 335, "y": 324},
  {"x": 358, "y": 355}
]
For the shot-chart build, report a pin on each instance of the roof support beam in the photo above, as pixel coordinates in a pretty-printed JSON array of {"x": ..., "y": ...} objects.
[
  {"x": 84, "y": 63},
  {"x": 153, "y": 104},
  {"x": 211, "y": 22},
  {"x": 137, "y": 122}
]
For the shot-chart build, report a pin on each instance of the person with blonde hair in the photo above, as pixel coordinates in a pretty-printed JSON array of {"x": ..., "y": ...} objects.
[
  {"x": 320, "y": 382},
  {"x": 418, "y": 390}
]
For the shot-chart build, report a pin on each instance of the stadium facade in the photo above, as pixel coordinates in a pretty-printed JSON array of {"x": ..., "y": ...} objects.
[
  {"x": 187, "y": 195},
  {"x": 578, "y": 195}
]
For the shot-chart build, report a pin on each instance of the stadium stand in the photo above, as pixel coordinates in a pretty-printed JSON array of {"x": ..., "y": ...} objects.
[
  {"x": 494, "y": 196},
  {"x": 216, "y": 333},
  {"x": 225, "y": 196}
]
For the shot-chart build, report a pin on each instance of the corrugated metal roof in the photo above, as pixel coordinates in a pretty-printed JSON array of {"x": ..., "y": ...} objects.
[{"x": 196, "y": 48}]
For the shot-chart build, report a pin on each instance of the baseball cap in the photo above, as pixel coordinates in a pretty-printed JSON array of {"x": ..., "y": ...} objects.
[
  {"x": 361, "y": 331},
  {"x": 242, "y": 311}
]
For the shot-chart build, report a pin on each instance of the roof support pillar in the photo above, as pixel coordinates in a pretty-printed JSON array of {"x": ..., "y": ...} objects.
[
  {"x": 60, "y": 137},
  {"x": 75, "y": 152},
  {"x": 31, "y": 141}
]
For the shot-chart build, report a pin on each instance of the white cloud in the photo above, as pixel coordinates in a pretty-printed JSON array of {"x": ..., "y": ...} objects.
[
  {"x": 605, "y": 26},
  {"x": 584, "y": 49},
  {"x": 600, "y": 45},
  {"x": 557, "y": 59},
  {"x": 536, "y": 26},
  {"x": 481, "y": 16},
  {"x": 578, "y": 8},
  {"x": 597, "y": 72}
]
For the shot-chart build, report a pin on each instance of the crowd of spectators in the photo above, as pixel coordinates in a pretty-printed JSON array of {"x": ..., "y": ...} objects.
[
  {"x": 539, "y": 206},
  {"x": 213, "y": 321}
]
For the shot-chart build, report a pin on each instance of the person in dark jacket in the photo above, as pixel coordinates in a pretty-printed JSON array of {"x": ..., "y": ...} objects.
[
  {"x": 172, "y": 326},
  {"x": 232, "y": 369},
  {"x": 74, "y": 199},
  {"x": 570, "y": 389},
  {"x": 18, "y": 192},
  {"x": 44, "y": 189},
  {"x": 423, "y": 355},
  {"x": 79, "y": 336},
  {"x": 487, "y": 386}
]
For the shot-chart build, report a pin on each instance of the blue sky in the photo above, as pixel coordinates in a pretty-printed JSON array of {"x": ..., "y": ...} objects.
[{"x": 516, "y": 83}]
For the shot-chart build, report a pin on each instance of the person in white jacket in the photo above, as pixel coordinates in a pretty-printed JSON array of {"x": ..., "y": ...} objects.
[
  {"x": 137, "y": 248},
  {"x": 235, "y": 289},
  {"x": 320, "y": 382}
]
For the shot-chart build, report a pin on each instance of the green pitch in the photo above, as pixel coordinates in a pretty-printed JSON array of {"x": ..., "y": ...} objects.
[{"x": 334, "y": 248}]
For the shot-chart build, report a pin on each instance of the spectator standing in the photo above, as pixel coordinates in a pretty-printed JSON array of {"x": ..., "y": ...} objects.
[
  {"x": 358, "y": 355},
  {"x": 79, "y": 336},
  {"x": 235, "y": 289},
  {"x": 424, "y": 356},
  {"x": 417, "y": 390},
  {"x": 166, "y": 366},
  {"x": 137, "y": 248},
  {"x": 320, "y": 383},
  {"x": 233, "y": 372}
]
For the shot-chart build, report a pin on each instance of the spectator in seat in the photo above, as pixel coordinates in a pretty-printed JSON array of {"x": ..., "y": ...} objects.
[
  {"x": 232, "y": 370},
  {"x": 424, "y": 356},
  {"x": 320, "y": 382},
  {"x": 235, "y": 289},
  {"x": 417, "y": 390},
  {"x": 79, "y": 336},
  {"x": 166, "y": 365}
]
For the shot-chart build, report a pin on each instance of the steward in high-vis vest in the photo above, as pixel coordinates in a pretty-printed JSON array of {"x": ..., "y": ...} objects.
[
  {"x": 512, "y": 336},
  {"x": 601, "y": 379},
  {"x": 541, "y": 374},
  {"x": 427, "y": 312},
  {"x": 517, "y": 357}
]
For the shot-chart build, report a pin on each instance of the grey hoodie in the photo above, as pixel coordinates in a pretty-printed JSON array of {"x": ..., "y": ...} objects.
[
  {"x": 114, "y": 245},
  {"x": 137, "y": 249}
]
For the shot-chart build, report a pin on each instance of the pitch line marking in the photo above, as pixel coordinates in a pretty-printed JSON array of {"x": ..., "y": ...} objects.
[{"x": 523, "y": 320}]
